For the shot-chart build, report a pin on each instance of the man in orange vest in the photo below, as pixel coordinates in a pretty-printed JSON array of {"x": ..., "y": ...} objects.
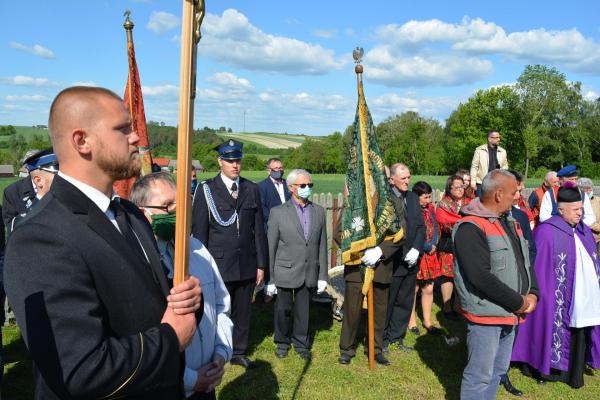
[{"x": 535, "y": 198}]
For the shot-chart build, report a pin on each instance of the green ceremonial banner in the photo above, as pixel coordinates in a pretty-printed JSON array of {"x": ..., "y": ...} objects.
[{"x": 369, "y": 216}]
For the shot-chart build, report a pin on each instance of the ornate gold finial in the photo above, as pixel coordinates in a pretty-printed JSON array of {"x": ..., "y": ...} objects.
[
  {"x": 128, "y": 25},
  {"x": 357, "y": 54}
]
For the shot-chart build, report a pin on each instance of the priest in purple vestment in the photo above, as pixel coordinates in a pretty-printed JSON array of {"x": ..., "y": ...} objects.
[{"x": 563, "y": 334}]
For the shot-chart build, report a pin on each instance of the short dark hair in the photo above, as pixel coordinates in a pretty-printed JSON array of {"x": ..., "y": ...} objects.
[
  {"x": 449, "y": 183},
  {"x": 270, "y": 160},
  {"x": 492, "y": 131},
  {"x": 422, "y": 187},
  {"x": 517, "y": 175},
  {"x": 462, "y": 172}
]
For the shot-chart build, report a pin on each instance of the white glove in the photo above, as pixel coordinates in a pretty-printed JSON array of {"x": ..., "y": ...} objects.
[
  {"x": 371, "y": 256},
  {"x": 321, "y": 286},
  {"x": 411, "y": 257},
  {"x": 270, "y": 290}
]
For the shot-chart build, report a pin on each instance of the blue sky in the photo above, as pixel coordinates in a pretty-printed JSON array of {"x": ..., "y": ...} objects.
[{"x": 288, "y": 65}]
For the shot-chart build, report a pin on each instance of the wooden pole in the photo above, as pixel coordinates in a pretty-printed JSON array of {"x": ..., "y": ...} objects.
[
  {"x": 371, "y": 327},
  {"x": 193, "y": 11}
]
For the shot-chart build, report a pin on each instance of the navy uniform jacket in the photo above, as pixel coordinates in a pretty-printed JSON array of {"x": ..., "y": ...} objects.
[
  {"x": 18, "y": 198},
  {"x": 269, "y": 196},
  {"x": 238, "y": 249},
  {"x": 89, "y": 307}
]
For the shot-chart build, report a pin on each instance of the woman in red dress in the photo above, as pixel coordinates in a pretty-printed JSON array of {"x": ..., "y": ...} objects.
[
  {"x": 429, "y": 267},
  {"x": 447, "y": 214}
]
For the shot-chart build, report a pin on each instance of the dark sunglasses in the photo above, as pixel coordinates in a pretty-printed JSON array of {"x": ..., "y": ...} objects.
[{"x": 303, "y": 185}]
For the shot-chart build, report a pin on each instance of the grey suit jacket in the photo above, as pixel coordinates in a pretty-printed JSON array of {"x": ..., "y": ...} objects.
[{"x": 294, "y": 261}]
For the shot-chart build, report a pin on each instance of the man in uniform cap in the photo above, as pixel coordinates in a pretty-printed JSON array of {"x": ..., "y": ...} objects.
[
  {"x": 20, "y": 195},
  {"x": 228, "y": 219},
  {"x": 42, "y": 166},
  {"x": 549, "y": 207},
  {"x": 564, "y": 333}
]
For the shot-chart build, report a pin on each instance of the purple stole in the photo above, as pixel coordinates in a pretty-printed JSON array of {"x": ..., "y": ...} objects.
[{"x": 544, "y": 338}]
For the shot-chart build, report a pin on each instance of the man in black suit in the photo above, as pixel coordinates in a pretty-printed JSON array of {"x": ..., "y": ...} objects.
[
  {"x": 404, "y": 277},
  {"x": 273, "y": 189},
  {"x": 83, "y": 274},
  {"x": 228, "y": 220}
]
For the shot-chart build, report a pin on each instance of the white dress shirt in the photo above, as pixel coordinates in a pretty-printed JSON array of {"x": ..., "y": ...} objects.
[
  {"x": 585, "y": 307},
  {"x": 279, "y": 187},
  {"x": 229, "y": 182}
]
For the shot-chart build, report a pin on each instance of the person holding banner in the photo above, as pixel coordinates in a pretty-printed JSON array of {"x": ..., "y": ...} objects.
[{"x": 83, "y": 274}]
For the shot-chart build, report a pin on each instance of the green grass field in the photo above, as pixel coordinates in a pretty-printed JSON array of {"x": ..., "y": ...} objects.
[{"x": 432, "y": 371}]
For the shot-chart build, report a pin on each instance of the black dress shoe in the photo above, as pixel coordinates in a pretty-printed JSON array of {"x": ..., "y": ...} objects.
[
  {"x": 381, "y": 360},
  {"x": 344, "y": 359},
  {"x": 415, "y": 330},
  {"x": 281, "y": 353},
  {"x": 305, "y": 355},
  {"x": 244, "y": 361},
  {"x": 510, "y": 388},
  {"x": 432, "y": 330}
]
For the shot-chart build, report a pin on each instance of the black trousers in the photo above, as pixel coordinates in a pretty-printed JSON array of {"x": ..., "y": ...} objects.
[
  {"x": 203, "y": 396},
  {"x": 241, "y": 306},
  {"x": 402, "y": 293},
  {"x": 292, "y": 303},
  {"x": 353, "y": 300}
]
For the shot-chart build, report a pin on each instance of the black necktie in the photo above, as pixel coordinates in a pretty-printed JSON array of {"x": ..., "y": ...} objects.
[
  {"x": 234, "y": 189},
  {"x": 125, "y": 227}
]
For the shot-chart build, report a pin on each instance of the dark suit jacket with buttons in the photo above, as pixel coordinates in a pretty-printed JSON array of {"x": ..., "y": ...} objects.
[
  {"x": 269, "y": 196},
  {"x": 89, "y": 307},
  {"x": 294, "y": 260},
  {"x": 16, "y": 197},
  {"x": 238, "y": 249},
  {"x": 414, "y": 234}
]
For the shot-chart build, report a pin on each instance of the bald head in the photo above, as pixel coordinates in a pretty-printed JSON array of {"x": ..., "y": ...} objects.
[
  {"x": 77, "y": 107},
  {"x": 498, "y": 190}
]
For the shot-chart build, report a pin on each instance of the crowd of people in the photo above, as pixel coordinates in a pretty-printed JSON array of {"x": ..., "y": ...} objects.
[{"x": 90, "y": 276}]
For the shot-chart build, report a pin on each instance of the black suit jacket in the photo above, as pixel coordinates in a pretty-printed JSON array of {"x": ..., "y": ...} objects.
[
  {"x": 414, "y": 234},
  {"x": 523, "y": 221},
  {"x": 238, "y": 249},
  {"x": 269, "y": 196},
  {"x": 89, "y": 307},
  {"x": 18, "y": 198}
]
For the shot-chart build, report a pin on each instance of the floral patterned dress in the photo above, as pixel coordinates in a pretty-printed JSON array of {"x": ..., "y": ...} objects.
[
  {"x": 429, "y": 266},
  {"x": 447, "y": 214}
]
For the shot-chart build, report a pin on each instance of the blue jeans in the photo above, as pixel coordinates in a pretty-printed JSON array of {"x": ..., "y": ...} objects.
[{"x": 489, "y": 350}]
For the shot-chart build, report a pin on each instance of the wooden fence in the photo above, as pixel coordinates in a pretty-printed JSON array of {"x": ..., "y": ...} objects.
[{"x": 333, "y": 203}]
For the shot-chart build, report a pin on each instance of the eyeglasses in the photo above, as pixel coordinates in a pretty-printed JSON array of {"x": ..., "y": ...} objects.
[
  {"x": 303, "y": 185},
  {"x": 461, "y": 187},
  {"x": 167, "y": 208}
]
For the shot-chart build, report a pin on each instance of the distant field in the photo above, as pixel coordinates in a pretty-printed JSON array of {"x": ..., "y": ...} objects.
[
  {"x": 27, "y": 132},
  {"x": 268, "y": 140}
]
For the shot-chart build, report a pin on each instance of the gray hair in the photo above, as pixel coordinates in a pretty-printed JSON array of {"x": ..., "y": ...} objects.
[
  {"x": 585, "y": 183},
  {"x": 493, "y": 180},
  {"x": 141, "y": 189},
  {"x": 550, "y": 175},
  {"x": 293, "y": 175},
  {"x": 398, "y": 166}
]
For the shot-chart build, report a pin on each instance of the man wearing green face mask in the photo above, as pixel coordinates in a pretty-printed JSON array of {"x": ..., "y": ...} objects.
[{"x": 211, "y": 345}]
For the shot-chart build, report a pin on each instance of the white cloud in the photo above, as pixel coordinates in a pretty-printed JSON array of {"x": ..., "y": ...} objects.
[
  {"x": 383, "y": 64},
  {"x": 22, "y": 80},
  {"x": 36, "y": 49},
  {"x": 349, "y": 32},
  {"x": 26, "y": 97},
  {"x": 84, "y": 83},
  {"x": 161, "y": 22},
  {"x": 160, "y": 91},
  {"x": 324, "y": 33},
  {"x": 591, "y": 95},
  {"x": 568, "y": 48},
  {"x": 394, "y": 103},
  {"x": 232, "y": 39},
  {"x": 229, "y": 80}
]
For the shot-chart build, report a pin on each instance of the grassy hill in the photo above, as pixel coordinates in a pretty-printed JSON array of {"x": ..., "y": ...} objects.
[
  {"x": 27, "y": 132},
  {"x": 268, "y": 140}
]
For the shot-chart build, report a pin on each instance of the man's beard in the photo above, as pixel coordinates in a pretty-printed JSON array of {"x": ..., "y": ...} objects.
[{"x": 119, "y": 169}]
